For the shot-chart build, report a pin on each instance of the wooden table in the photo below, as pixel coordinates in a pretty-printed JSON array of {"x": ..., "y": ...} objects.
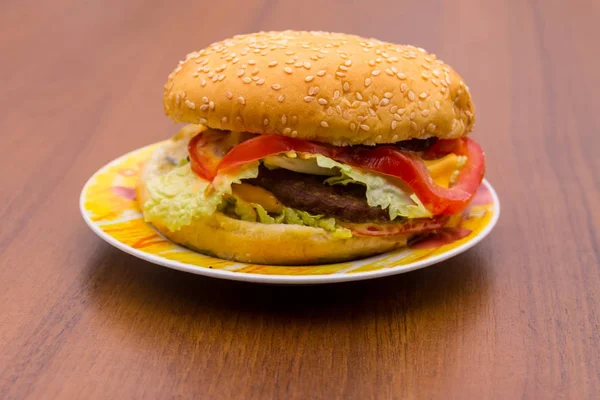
[{"x": 516, "y": 317}]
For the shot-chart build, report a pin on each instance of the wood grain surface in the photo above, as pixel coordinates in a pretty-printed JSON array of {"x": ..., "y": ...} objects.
[{"x": 515, "y": 317}]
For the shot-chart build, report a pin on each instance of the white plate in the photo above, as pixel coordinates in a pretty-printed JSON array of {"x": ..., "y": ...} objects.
[{"x": 108, "y": 207}]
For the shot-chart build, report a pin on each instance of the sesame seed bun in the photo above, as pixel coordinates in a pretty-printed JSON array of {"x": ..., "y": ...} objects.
[
  {"x": 327, "y": 87},
  {"x": 277, "y": 244}
]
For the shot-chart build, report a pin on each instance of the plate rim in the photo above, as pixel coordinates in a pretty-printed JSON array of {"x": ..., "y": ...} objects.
[{"x": 282, "y": 279}]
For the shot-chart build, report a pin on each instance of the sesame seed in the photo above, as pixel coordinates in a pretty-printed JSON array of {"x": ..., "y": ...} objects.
[
  {"x": 403, "y": 87},
  {"x": 436, "y": 72},
  {"x": 251, "y": 62},
  {"x": 214, "y": 78},
  {"x": 348, "y": 63},
  {"x": 276, "y": 86},
  {"x": 352, "y": 126},
  {"x": 384, "y": 102},
  {"x": 413, "y": 125},
  {"x": 203, "y": 83},
  {"x": 375, "y": 72},
  {"x": 190, "y": 105},
  {"x": 425, "y": 113},
  {"x": 411, "y": 95},
  {"x": 431, "y": 128},
  {"x": 255, "y": 71},
  {"x": 241, "y": 100},
  {"x": 336, "y": 95},
  {"x": 272, "y": 63},
  {"x": 395, "y": 137},
  {"x": 389, "y": 72},
  {"x": 444, "y": 82},
  {"x": 289, "y": 52},
  {"x": 361, "y": 118},
  {"x": 266, "y": 122},
  {"x": 388, "y": 95},
  {"x": 283, "y": 119},
  {"x": 346, "y": 86},
  {"x": 393, "y": 109},
  {"x": 281, "y": 98},
  {"x": 425, "y": 75},
  {"x": 322, "y": 101},
  {"x": 311, "y": 91},
  {"x": 211, "y": 105},
  {"x": 224, "y": 120},
  {"x": 195, "y": 75},
  {"x": 298, "y": 64},
  {"x": 321, "y": 72},
  {"x": 260, "y": 81},
  {"x": 294, "y": 133},
  {"x": 437, "y": 104},
  {"x": 290, "y": 61},
  {"x": 435, "y": 82},
  {"x": 401, "y": 75},
  {"x": 412, "y": 115},
  {"x": 394, "y": 125},
  {"x": 246, "y": 80},
  {"x": 229, "y": 95},
  {"x": 343, "y": 68},
  {"x": 314, "y": 57},
  {"x": 203, "y": 120},
  {"x": 205, "y": 100},
  {"x": 308, "y": 99},
  {"x": 338, "y": 109},
  {"x": 324, "y": 124},
  {"x": 288, "y": 70},
  {"x": 340, "y": 74},
  {"x": 400, "y": 111},
  {"x": 365, "y": 127},
  {"x": 287, "y": 131},
  {"x": 398, "y": 117},
  {"x": 359, "y": 96},
  {"x": 375, "y": 99},
  {"x": 346, "y": 115},
  {"x": 306, "y": 65},
  {"x": 423, "y": 95},
  {"x": 372, "y": 63},
  {"x": 309, "y": 78}
]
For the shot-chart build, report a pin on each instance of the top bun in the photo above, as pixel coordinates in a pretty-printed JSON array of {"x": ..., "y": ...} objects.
[{"x": 328, "y": 87}]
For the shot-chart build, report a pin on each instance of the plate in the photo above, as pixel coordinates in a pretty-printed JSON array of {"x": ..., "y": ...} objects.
[{"x": 108, "y": 206}]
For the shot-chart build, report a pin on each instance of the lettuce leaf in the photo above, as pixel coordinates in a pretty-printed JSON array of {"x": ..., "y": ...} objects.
[
  {"x": 176, "y": 198},
  {"x": 380, "y": 192},
  {"x": 291, "y": 216}
]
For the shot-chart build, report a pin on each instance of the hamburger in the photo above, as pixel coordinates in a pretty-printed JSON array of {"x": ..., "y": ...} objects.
[{"x": 310, "y": 147}]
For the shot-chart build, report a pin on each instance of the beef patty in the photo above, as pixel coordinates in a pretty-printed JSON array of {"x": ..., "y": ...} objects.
[{"x": 309, "y": 193}]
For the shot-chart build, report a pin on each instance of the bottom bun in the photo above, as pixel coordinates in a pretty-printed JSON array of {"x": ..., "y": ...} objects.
[{"x": 220, "y": 236}]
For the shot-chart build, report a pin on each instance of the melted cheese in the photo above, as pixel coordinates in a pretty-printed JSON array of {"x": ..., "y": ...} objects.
[
  {"x": 442, "y": 169},
  {"x": 257, "y": 195}
]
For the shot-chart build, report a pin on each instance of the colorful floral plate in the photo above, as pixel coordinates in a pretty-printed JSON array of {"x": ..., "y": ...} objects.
[{"x": 109, "y": 208}]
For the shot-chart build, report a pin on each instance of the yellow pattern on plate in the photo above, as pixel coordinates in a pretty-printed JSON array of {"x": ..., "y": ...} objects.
[{"x": 109, "y": 207}]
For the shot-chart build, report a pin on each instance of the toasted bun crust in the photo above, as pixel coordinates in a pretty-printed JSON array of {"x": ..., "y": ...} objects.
[
  {"x": 224, "y": 237},
  {"x": 328, "y": 87}
]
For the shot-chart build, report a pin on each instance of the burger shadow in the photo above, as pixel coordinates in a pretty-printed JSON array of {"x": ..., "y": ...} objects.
[{"x": 133, "y": 294}]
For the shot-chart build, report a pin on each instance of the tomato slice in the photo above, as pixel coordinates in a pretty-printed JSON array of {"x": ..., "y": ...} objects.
[
  {"x": 387, "y": 160},
  {"x": 208, "y": 148},
  {"x": 413, "y": 226}
]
